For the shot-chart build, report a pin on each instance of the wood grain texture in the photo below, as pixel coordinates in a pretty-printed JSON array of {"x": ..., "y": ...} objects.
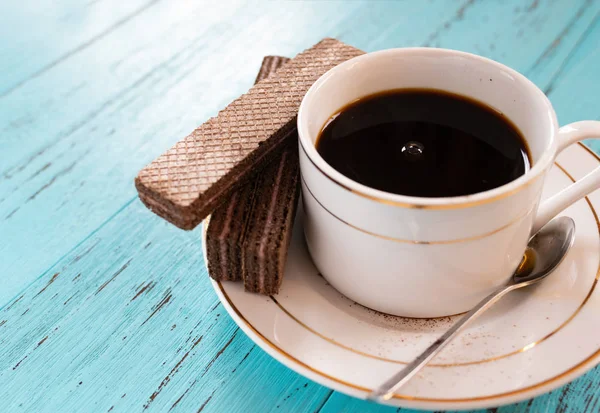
[
  {"x": 105, "y": 307},
  {"x": 141, "y": 330},
  {"x": 83, "y": 153},
  {"x": 86, "y": 142},
  {"x": 55, "y": 31}
]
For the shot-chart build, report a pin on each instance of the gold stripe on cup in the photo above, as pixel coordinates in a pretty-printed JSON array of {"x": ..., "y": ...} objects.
[{"x": 408, "y": 241}]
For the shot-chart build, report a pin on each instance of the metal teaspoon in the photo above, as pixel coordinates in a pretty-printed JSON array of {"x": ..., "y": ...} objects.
[{"x": 544, "y": 252}]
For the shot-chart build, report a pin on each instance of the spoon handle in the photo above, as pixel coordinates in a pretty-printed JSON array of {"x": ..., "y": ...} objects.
[{"x": 387, "y": 389}]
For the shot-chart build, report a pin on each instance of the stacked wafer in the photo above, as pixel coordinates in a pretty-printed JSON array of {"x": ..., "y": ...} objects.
[
  {"x": 242, "y": 166},
  {"x": 248, "y": 235}
]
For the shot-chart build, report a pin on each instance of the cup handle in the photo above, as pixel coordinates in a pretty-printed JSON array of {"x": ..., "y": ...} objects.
[{"x": 568, "y": 135}]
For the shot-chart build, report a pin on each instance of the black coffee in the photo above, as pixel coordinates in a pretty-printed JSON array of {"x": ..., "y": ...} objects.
[{"x": 424, "y": 143}]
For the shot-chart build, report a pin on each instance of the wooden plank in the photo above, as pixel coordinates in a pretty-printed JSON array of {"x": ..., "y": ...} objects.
[
  {"x": 122, "y": 72},
  {"x": 550, "y": 63},
  {"x": 132, "y": 322},
  {"x": 574, "y": 89},
  {"x": 55, "y": 31},
  {"x": 64, "y": 98},
  {"x": 86, "y": 151}
]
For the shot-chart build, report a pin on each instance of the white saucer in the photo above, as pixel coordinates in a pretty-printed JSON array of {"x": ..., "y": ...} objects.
[{"x": 531, "y": 342}]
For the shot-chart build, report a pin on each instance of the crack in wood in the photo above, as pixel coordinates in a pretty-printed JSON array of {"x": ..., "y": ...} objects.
[
  {"x": 557, "y": 41},
  {"x": 119, "y": 271},
  {"x": 14, "y": 302},
  {"x": 51, "y": 181},
  {"x": 39, "y": 171},
  {"x": 54, "y": 277},
  {"x": 160, "y": 305},
  {"x": 203, "y": 405},
  {"x": 550, "y": 87},
  {"x": 459, "y": 15},
  {"x": 216, "y": 356},
  {"x": 326, "y": 399},
  {"x": 10, "y": 172},
  {"x": 293, "y": 392},
  {"x": 19, "y": 363},
  {"x": 184, "y": 393},
  {"x": 27, "y": 355},
  {"x": 83, "y": 254},
  {"x": 149, "y": 286},
  {"x": 169, "y": 376},
  {"x": 69, "y": 299},
  {"x": 243, "y": 359},
  {"x": 12, "y": 213}
]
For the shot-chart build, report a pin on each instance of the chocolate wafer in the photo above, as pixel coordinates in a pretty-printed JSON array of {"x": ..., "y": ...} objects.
[
  {"x": 227, "y": 226},
  {"x": 269, "y": 226},
  {"x": 186, "y": 183}
]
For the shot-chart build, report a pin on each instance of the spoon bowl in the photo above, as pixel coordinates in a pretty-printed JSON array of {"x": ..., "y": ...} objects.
[{"x": 545, "y": 251}]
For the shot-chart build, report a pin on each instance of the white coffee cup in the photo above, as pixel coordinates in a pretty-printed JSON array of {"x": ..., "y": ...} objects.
[{"x": 429, "y": 257}]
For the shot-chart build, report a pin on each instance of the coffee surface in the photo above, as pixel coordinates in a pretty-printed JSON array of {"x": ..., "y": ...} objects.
[{"x": 424, "y": 143}]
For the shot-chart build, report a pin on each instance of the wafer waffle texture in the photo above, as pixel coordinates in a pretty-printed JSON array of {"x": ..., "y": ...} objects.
[
  {"x": 186, "y": 183},
  {"x": 225, "y": 237}
]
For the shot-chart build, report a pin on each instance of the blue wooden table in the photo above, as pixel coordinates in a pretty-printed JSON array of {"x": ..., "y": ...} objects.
[{"x": 104, "y": 306}]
